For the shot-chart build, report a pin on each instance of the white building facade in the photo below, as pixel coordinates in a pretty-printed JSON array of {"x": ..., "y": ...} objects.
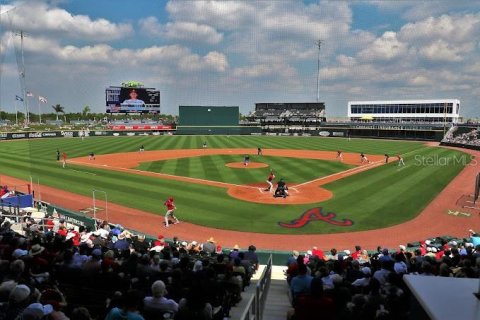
[{"x": 437, "y": 110}]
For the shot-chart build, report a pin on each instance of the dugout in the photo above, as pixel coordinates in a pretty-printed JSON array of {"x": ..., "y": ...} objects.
[{"x": 210, "y": 120}]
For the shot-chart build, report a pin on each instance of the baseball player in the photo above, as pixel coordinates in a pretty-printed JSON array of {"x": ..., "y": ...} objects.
[
  {"x": 170, "y": 211},
  {"x": 270, "y": 178},
  {"x": 205, "y": 144},
  {"x": 386, "y": 157},
  {"x": 259, "y": 151},
  {"x": 363, "y": 158},
  {"x": 400, "y": 160},
  {"x": 64, "y": 157},
  {"x": 142, "y": 148},
  {"x": 58, "y": 155},
  {"x": 339, "y": 155},
  {"x": 91, "y": 156},
  {"x": 246, "y": 160}
]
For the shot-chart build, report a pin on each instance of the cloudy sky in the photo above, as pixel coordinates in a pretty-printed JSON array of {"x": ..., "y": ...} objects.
[{"x": 239, "y": 53}]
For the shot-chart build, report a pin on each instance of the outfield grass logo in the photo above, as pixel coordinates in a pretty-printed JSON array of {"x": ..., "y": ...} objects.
[
  {"x": 316, "y": 214},
  {"x": 437, "y": 160}
]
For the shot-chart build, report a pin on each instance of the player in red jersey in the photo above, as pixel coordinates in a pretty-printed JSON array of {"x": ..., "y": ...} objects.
[
  {"x": 340, "y": 155},
  {"x": 64, "y": 157},
  {"x": 270, "y": 178},
  {"x": 170, "y": 211}
]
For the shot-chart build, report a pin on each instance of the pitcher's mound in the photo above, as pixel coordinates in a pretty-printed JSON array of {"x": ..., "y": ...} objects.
[{"x": 251, "y": 165}]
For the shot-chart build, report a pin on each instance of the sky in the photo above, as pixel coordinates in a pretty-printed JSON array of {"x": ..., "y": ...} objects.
[{"x": 237, "y": 53}]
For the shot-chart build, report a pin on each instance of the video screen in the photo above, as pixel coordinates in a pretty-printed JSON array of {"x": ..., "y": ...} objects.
[{"x": 132, "y": 100}]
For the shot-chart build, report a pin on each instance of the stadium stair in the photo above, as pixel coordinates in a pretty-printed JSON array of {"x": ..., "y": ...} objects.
[{"x": 277, "y": 303}]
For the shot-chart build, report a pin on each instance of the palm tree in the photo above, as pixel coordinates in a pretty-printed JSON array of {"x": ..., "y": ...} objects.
[
  {"x": 86, "y": 110},
  {"x": 58, "y": 109}
]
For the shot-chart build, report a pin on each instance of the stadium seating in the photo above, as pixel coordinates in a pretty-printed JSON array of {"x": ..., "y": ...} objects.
[
  {"x": 111, "y": 270},
  {"x": 460, "y": 135}
]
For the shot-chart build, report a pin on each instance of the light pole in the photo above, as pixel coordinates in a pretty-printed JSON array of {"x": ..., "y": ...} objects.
[
  {"x": 21, "y": 67},
  {"x": 319, "y": 45},
  {"x": 95, "y": 208}
]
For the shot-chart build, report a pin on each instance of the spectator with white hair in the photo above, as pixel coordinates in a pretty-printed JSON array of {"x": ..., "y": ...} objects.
[{"x": 156, "y": 305}]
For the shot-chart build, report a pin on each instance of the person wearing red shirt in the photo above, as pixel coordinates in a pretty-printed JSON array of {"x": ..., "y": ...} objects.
[
  {"x": 64, "y": 157},
  {"x": 318, "y": 253},
  {"x": 170, "y": 211},
  {"x": 270, "y": 178},
  {"x": 357, "y": 253}
]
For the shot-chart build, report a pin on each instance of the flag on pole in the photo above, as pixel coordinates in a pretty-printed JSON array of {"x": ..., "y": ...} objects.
[
  {"x": 29, "y": 94},
  {"x": 42, "y": 99},
  {"x": 18, "y": 98}
]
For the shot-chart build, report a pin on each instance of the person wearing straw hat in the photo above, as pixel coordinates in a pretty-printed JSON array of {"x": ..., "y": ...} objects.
[
  {"x": 209, "y": 246},
  {"x": 170, "y": 212}
]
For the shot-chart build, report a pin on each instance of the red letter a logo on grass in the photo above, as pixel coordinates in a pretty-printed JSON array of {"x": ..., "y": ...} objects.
[{"x": 316, "y": 214}]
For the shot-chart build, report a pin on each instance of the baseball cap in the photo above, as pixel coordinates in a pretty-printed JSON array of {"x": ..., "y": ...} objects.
[{"x": 19, "y": 253}]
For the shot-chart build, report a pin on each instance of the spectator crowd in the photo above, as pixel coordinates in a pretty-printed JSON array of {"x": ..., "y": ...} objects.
[
  {"x": 53, "y": 270},
  {"x": 465, "y": 138},
  {"x": 50, "y": 269},
  {"x": 363, "y": 285}
]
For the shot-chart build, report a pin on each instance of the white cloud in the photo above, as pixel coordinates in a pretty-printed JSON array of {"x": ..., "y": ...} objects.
[
  {"x": 451, "y": 28},
  {"x": 443, "y": 51},
  {"x": 36, "y": 17},
  {"x": 227, "y": 15},
  {"x": 184, "y": 31},
  {"x": 386, "y": 47},
  {"x": 265, "y": 70},
  {"x": 190, "y": 31}
]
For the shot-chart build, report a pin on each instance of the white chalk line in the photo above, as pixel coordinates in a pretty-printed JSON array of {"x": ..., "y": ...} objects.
[
  {"x": 172, "y": 177},
  {"x": 228, "y": 185},
  {"x": 359, "y": 168}
]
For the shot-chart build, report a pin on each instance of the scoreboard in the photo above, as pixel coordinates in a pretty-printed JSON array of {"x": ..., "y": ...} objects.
[{"x": 132, "y": 100}]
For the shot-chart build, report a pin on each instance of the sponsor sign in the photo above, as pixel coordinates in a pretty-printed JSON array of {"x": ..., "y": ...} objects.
[
  {"x": 116, "y": 134},
  {"x": 141, "y": 127},
  {"x": 3, "y": 136},
  {"x": 49, "y": 134},
  {"x": 35, "y": 135},
  {"x": 324, "y": 133},
  {"x": 130, "y": 134},
  {"x": 338, "y": 134},
  {"x": 67, "y": 134}
]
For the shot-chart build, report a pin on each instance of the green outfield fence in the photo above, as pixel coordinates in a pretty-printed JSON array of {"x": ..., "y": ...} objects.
[{"x": 218, "y": 130}]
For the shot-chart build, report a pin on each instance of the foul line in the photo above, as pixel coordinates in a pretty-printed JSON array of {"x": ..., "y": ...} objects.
[
  {"x": 224, "y": 184},
  {"x": 169, "y": 176},
  {"x": 359, "y": 168}
]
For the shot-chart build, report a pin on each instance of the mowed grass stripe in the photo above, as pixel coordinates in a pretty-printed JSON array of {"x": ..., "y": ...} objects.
[{"x": 213, "y": 207}]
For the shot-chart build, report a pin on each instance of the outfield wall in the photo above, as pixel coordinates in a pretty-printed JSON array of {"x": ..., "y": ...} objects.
[
  {"x": 76, "y": 134},
  {"x": 217, "y": 130},
  {"x": 208, "y": 115}
]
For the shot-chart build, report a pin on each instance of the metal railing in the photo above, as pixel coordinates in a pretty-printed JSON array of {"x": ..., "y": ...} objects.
[{"x": 256, "y": 303}]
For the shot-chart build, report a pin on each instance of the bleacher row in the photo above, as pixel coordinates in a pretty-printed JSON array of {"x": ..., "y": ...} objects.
[
  {"x": 463, "y": 136},
  {"x": 52, "y": 269}
]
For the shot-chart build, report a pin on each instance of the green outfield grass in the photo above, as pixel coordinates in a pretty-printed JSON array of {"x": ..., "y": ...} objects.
[
  {"x": 380, "y": 197},
  {"x": 293, "y": 170}
]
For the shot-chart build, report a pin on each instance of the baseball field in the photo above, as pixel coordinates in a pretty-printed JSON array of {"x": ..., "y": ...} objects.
[{"x": 208, "y": 192}]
